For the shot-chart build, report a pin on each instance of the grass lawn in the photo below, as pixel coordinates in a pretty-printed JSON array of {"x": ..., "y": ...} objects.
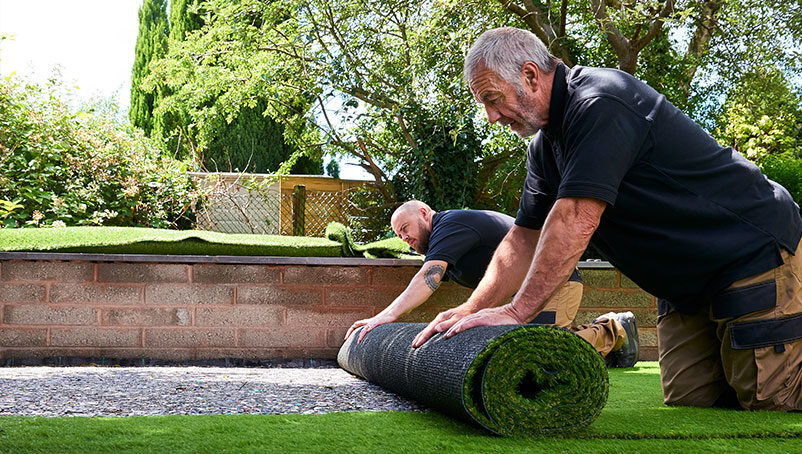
[{"x": 634, "y": 420}]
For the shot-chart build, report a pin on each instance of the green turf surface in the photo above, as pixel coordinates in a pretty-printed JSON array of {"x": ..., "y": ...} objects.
[
  {"x": 633, "y": 421},
  {"x": 135, "y": 240}
]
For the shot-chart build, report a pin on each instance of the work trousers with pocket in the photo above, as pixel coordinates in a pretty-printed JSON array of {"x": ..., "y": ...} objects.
[
  {"x": 744, "y": 350},
  {"x": 560, "y": 310}
]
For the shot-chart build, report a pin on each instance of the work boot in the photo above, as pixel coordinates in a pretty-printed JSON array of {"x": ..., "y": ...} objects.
[{"x": 628, "y": 353}]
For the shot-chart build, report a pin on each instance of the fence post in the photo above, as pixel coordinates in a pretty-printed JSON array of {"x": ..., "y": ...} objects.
[{"x": 298, "y": 209}]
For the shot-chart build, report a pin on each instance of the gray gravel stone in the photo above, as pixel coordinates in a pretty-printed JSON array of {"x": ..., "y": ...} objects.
[{"x": 146, "y": 391}]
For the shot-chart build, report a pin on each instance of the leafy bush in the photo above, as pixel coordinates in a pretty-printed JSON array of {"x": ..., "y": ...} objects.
[
  {"x": 786, "y": 169},
  {"x": 66, "y": 166}
]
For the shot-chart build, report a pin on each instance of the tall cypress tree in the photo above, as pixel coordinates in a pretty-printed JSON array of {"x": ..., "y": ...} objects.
[
  {"x": 151, "y": 44},
  {"x": 183, "y": 19}
]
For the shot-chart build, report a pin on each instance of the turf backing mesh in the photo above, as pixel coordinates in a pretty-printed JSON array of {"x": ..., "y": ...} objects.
[{"x": 512, "y": 380}]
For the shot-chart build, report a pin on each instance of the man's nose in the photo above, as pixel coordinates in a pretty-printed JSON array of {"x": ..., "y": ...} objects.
[{"x": 493, "y": 114}]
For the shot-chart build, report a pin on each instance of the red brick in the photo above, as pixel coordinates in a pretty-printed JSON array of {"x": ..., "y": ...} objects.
[
  {"x": 648, "y": 354},
  {"x": 282, "y": 338},
  {"x": 325, "y": 275},
  {"x": 599, "y": 278},
  {"x": 616, "y": 298},
  {"x": 146, "y": 317},
  {"x": 449, "y": 294},
  {"x": 40, "y": 271},
  {"x": 335, "y": 337},
  {"x": 647, "y": 336},
  {"x": 370, "y": 297},
  {"x": 49, "y": 352},
  {"x": 627, "y": 282},
  {"x": 421, "y": 314},
  {"x": 95, "y": 293},
  {"x": 331, "y": 319},
  {"x": 279, "y": 295},
  {"x": 189, "y": 337},
  {"x": 167, "y": 354},
  {"x": 316, "y": 353},
  {"x": 142, "y": 272},
  {"x": 21, "y": 293},
  {"x": 45, "y": 315},
  {"x": 231, "y": 274},
  {"x": 177, "y": 294},
  {"x": 239, "y": 315},
  {"x": 23, "y": 337},
  {"x": 94, "y": 337},
  {"x": 254, "y": 354},
  {"x": 394, "y": 275}
]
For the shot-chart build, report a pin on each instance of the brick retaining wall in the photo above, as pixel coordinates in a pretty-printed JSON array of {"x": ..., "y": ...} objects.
[{"x": 275, "y": 308}]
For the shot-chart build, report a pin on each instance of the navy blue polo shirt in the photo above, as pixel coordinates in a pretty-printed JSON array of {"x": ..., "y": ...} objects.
[
  {"x": 466, "y": 241},
  {"x": 685, "y": 216}
]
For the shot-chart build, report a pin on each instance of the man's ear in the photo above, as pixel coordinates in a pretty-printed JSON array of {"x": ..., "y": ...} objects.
[
  {"x": 425, "y": 213},
  {"x": 530, "y": 74}
]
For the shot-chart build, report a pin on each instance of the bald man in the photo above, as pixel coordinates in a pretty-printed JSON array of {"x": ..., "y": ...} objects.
[{"x": 459, "y": 245}]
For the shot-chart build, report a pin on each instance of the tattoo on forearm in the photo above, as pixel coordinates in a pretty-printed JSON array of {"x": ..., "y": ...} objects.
[{"x": 433, "y": 276}]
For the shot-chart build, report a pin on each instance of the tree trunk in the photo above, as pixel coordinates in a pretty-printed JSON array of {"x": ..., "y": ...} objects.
[{"x": 700, "y": 42}]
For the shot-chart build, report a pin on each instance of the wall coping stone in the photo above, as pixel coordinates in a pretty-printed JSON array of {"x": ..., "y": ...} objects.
[{"x": 232, "y": 259}]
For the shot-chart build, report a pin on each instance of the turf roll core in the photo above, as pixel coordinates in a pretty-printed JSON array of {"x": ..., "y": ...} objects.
[{"x": 518, "y": 380}]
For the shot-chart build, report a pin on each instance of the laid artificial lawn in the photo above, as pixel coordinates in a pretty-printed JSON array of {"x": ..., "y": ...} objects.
[
  {"x": 634, "y": 420},
  {"x": 137, "y": 240}
]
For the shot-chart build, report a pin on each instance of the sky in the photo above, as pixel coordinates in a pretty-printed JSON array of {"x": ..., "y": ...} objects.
[{"x": 91, "y": 42}]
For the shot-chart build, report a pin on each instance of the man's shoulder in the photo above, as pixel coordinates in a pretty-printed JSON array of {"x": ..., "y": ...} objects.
[
  {"x": 586, "y": 82},
  {"x": 470, "y": 218}
]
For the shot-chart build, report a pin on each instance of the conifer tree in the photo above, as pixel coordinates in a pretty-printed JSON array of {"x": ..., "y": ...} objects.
[
  {"x": 151, "y": 44},
  {"x": 184, "y": 18}
]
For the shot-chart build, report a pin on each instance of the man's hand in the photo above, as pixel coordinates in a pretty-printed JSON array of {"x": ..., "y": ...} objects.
[
  {"x": 369, "y": 324},
  {"x": 502, "y": 315},
  {"x": 442, "y": 322}
]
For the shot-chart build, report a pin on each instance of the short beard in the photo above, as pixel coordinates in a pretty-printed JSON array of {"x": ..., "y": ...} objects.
[{"x": 530, "y": 125}]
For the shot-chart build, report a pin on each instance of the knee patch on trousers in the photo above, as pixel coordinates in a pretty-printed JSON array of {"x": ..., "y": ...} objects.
[{"x": 774, "y": 332}]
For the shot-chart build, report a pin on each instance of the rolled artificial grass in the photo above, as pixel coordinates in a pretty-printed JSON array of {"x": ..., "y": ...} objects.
[
  {"x": 137, "y": 240},
  {"x": 512, "y": 380},
  {"x": 387, "y": 248}
]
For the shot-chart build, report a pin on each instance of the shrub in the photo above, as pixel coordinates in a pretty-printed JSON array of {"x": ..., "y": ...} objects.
[
  {"x": 65, "y": 166},
  {"x": 786, "y": 169}
]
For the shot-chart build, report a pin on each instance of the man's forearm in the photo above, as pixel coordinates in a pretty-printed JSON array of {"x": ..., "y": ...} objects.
[
  {"x": 420, "y": 288},
  {"x": 564, "y": 238},
  {"x": 507, "y": 269}
]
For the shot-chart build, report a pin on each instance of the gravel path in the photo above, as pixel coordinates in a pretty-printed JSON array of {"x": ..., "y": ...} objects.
[{"x": 137, "y": 391}]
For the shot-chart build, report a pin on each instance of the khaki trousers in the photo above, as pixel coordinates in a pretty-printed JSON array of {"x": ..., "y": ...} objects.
[
  {"x": 561, "y": 309},
  {"x": 721, "y": 357}
]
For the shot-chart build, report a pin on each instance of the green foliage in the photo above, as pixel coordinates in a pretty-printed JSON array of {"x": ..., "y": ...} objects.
[
  {"x": 240, "y": 139},
  {"x": 379, "y": 81},
  {"x": 762, "y": 115},
  {"x": 333, "y": 169},
  {"x": 80, "y": 167},
  {"x": 151, "y": 44},
  {"x": 786, "y": 169},
  {"x": 250, "y": 143},
  {"x": 185, "y": 17}
]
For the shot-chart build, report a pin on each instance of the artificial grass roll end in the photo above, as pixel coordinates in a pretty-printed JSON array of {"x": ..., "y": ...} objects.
[{"x": 517, "y": 380}]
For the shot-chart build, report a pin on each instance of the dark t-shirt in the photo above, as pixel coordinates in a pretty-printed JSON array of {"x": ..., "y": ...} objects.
[
  {"x": 685, "y": 216},
  {"x": 466, "y": 240}
]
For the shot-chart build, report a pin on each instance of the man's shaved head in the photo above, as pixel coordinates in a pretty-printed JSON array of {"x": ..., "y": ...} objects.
[{"x": 412, "y": 222}]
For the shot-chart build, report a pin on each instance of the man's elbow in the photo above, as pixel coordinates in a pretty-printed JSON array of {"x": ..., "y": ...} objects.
[{"x": 582, "y": 214}]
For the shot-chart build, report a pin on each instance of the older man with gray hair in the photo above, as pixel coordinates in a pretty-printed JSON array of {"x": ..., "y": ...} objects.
[{"x": 614, "y": 163}]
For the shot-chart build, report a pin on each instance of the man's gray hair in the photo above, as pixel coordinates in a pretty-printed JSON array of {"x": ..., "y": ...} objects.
[{"x": 504, "y": 51}]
